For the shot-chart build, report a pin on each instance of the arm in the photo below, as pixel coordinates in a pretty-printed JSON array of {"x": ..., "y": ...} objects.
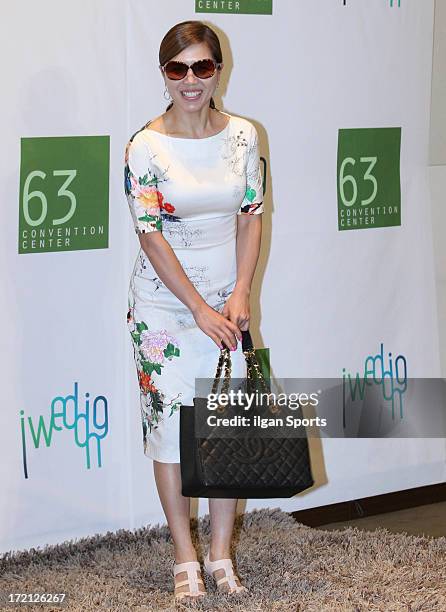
[{"x": 249, "y": 231}]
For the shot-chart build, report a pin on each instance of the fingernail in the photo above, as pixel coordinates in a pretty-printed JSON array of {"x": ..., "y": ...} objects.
[{"x": 233, "y": 348}]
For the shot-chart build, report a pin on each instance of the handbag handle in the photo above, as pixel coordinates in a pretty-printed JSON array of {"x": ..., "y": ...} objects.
[
  {"x": 246, "y": 341},
  {"x": 251, "y": 363}
]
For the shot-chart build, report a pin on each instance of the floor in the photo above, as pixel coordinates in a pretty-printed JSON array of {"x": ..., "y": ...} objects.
[{"x": 428, "y": 520}]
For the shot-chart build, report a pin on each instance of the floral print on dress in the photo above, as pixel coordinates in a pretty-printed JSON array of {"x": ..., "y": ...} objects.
[
  {"x": 152, "y": 348},
  {"x": 253, "y": 200},
  {"x": 145, "y": 200},
  {"x": 182, "y": 233},
  {"x": 250, "y": 196},
  {"x": 242, "y": 156},
  {"x": 234, "y": 151},
  {"x": 223, "y": 295}
]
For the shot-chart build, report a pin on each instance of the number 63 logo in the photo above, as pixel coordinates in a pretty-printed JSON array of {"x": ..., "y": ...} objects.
[
  {"x": 40, "y": 195},
  {"x": 349, "y": 178}
]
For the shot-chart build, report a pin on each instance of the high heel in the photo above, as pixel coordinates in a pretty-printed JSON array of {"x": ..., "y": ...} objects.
[
  {"x": 226, "y": 565},
  {"x": 192, "y": 580}
]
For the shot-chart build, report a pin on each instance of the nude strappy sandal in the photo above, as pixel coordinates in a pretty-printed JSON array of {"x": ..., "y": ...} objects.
[
  {"x": 192, "y": 580},
  {"x": 226, "y": 565}
]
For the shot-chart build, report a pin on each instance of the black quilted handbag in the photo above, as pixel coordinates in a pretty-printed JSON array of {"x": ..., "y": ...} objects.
[{"x": 240, "y": 467}]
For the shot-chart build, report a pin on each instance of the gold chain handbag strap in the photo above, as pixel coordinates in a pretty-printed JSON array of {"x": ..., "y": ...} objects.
[
  {"x": 253, "y": 367},
  {"x": 224, "y": 358},
  {"x": 254, "y": 371},
  {"x": 251, "y": 363}
]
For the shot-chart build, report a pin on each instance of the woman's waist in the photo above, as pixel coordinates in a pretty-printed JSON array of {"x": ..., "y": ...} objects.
[
  {"x": 152, "y": 291},
  {"x": 217, "y": 258},
  {"x": 197, "y": 233}
]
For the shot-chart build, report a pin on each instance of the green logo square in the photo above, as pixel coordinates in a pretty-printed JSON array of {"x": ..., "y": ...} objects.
[
  {"x": 251, "y": 7},
  {"x": 368, "y": 178},
  {"x": 64, "y": 193}
]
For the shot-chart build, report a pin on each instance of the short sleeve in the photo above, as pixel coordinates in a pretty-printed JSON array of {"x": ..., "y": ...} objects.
[
  {"x": 252, "y": 203},
  {"x": 141, "y": 187}
]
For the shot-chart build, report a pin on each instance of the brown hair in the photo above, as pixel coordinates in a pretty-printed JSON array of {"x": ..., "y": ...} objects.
[{"x": 188, "y": 33}]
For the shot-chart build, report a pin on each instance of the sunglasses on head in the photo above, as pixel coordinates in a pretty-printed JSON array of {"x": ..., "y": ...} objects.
[{"x": 202, "y": 69}]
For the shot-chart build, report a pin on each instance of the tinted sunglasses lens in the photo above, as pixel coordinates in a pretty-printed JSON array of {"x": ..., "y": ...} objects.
[
  {"x": 176, "y": 70},
  {"x": 203, "y": 69}
]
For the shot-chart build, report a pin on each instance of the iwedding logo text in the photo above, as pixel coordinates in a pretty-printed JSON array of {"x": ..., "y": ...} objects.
[
  {"x": 390, "y": 376},
  {"x": 89, "y": 424}
]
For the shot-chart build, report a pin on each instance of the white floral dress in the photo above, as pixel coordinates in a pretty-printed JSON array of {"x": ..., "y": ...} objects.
[{"x": 190, "y": 189}]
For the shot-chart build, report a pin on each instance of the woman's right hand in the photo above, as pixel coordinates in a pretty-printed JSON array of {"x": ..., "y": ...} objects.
[{"x": 216, "y": 326}]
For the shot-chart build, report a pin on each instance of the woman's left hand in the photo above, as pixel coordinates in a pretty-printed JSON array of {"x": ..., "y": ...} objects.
[{"x": 236, "y": 308}]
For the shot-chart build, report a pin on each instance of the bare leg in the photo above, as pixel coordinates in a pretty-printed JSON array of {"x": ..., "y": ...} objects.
[
  {"x": 222, "y": 516},
  {"x": 177, "y": 511}
]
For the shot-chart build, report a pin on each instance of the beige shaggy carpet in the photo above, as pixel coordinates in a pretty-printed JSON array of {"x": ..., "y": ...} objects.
[{"x": 286, "y": 566}]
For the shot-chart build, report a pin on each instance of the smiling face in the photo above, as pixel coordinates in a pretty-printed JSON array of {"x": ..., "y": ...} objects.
[{"x": 205, "y": 88}]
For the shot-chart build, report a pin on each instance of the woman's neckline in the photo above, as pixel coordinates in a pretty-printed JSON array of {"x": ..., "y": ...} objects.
[{"x": 191, "y": 139}]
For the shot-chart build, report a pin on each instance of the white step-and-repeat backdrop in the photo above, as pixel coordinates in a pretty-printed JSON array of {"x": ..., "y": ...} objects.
[{"x": 339, "y": 91}]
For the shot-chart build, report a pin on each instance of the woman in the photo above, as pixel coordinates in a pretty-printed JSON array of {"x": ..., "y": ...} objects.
[{"x": 194, "y": 189}]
